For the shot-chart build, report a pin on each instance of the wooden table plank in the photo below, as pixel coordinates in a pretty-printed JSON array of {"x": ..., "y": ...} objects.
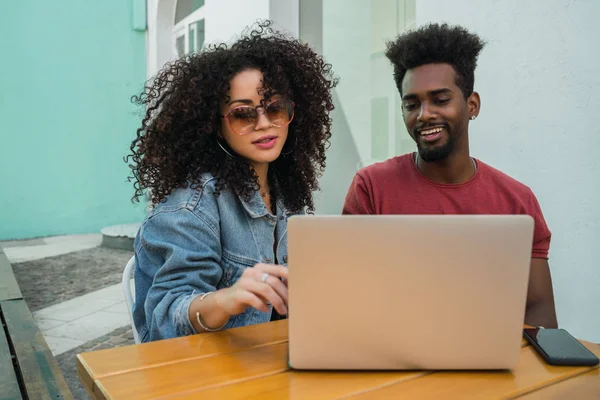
[
  {"x": 9, "y": 386},
  {"x": 195, "y": 374},
  {"x": 9, "y": 288},
  {"x": 303, "y": 385},
  {"x": 530, "y": 374},
  {"x": 584, "y": 386},
  {"x": 98, "y": 364},
  {"x": 41, "y": 376},
  {"x": 308, "y": 385}
]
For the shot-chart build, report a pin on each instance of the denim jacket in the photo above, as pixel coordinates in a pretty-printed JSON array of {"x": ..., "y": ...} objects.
[{"x": 196, "y": 242}]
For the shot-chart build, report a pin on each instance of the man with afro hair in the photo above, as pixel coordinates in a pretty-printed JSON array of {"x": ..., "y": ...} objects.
[{"x": 434, "y": 71}]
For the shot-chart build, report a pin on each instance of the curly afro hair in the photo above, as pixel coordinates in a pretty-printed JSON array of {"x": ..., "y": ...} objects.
[
  {"x": 177, "y": 140},
  {"x": 435, "y": 43}
]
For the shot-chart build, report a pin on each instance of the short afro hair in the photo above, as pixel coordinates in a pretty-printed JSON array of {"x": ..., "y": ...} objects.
[{"x": 437, "y": 44}]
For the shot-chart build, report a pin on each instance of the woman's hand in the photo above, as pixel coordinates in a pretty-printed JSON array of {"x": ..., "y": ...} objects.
[{"x": 258, "y": 286}]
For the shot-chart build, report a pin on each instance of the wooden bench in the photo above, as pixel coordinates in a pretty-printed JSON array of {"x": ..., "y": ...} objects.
[{"x": 28, "y": 370}]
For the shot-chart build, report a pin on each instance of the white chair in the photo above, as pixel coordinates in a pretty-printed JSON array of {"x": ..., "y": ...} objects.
[{"x": 126, "y": 286}]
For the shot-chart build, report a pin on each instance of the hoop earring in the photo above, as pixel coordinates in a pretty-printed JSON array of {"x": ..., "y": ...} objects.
[
  {"x": 290, "y": 151},
  {"x": 225, "y": 150}
]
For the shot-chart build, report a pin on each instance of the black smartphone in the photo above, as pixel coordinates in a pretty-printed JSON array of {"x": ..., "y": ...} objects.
[{"x": 558, "y": 347}]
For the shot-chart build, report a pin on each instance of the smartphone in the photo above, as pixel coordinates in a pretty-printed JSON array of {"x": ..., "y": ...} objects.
[{"x": 558, "y": 347}]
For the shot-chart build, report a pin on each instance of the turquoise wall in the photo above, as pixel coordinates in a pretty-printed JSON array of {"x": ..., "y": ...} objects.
[{"x": 68, "y": 70}]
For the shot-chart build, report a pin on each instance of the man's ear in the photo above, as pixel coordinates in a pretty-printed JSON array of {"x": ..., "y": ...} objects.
[{"x": 474, "y": 105}]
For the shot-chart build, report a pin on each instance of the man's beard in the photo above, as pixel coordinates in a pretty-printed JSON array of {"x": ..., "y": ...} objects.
[{"x": 437, "y": 153}]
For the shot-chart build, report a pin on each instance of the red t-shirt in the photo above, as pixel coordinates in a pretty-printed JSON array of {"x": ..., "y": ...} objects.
[{"x": 396, "y": 186}]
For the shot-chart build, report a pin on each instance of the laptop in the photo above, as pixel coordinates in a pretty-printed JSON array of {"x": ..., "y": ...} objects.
[{"x": 407, "y": 292}]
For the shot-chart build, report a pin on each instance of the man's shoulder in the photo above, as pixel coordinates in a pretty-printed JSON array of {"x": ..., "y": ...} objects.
[
  {"x": 385, "y": 169},
  {"x": 504, "y": 181}
]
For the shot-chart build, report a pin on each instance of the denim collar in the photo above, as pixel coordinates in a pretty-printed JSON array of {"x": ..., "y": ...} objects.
[{"x": 256, "y": 208}]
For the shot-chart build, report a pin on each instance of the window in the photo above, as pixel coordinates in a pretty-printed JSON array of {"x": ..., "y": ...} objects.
[
  {"x": 367, "y": 94},
  {"x": 188, "y": 31},
  {"x": 185, "y": 8}
]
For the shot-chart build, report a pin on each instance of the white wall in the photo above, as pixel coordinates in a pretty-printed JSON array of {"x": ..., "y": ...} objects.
[
  {"x": 160, "y": 15},
  {"x": 226, "y": 19},
  {"x": 347, "y": 46},
  {"x": 285, "y": 15},
  {"x": 539, "y": 83}
]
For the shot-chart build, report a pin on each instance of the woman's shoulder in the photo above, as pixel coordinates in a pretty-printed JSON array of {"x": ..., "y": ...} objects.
[
  {"x": 191, "y": 197},
  {"x": 187, "y": 215}
]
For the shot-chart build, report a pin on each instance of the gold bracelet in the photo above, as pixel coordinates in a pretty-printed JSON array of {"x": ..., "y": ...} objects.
[{"x": 199, "y": 320}]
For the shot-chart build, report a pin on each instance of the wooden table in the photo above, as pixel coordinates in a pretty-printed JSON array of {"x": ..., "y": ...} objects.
[{"x": 251, "y": 362}]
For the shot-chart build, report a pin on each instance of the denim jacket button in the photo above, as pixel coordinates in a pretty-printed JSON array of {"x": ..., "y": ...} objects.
[
  {"x": 285, "y": 258},
  {"x": 268, "y": 260}
]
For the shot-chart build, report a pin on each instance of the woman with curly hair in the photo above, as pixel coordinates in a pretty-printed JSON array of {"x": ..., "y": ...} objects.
[{"x": 232, "y": 143}]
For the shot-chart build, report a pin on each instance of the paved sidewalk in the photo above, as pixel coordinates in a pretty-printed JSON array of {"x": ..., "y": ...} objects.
[
  {"x": 35, "y": 249},
  {"x": 67, "y": 361},
  {"x": 48, "y": 281},
  {"x": 83, "y": 319}
]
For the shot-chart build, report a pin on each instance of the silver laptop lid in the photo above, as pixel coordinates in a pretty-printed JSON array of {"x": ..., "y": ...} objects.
[{"x": 407, "y": 291}]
